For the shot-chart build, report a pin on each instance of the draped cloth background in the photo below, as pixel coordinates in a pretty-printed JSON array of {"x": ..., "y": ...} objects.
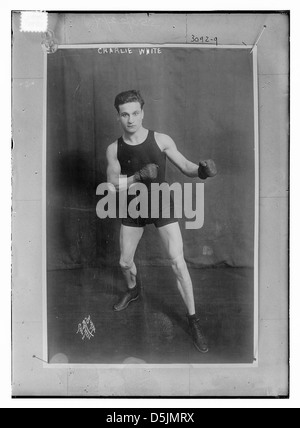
[{"x": 202, "y": 98}]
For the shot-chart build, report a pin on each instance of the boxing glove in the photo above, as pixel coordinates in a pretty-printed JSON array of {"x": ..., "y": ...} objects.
[
  {"x": 207, "y": 168},
  {"x": 148, "y": 173}
]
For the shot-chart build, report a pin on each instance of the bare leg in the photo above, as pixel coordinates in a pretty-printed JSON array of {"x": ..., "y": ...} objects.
[
  {"x": 129, "y": 240},
  {"x": 172, "y": 238}
]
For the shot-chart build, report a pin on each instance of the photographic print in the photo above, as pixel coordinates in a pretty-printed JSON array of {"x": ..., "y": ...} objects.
[
  {"x": 172, "y": 288},
  {"x": 150, "y": 204}
]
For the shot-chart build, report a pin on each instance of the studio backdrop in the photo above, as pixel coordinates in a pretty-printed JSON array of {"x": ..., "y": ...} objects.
[{"x": 202, "y": 98}]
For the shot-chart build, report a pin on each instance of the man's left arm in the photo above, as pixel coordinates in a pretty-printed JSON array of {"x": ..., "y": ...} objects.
[{"x": 205, "y": 169}]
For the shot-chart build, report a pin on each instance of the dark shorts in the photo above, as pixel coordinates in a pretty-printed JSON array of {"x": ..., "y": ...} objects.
[
  {"x": 158, "y": 222},
  {"x": 143, "y": 222}
]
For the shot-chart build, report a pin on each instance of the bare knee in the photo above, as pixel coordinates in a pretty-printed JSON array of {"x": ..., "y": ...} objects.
[
  {"x": 126, "y": 264},
  {"x": 179, "y": 264}
]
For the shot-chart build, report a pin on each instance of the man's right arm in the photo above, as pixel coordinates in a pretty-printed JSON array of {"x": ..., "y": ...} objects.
[{"x": 114, "y": 169}]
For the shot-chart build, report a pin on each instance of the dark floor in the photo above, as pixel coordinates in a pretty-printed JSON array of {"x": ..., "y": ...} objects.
[{"x": 152, "y": 330}]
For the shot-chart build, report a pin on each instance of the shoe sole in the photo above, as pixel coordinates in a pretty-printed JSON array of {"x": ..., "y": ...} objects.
[
  {"x": 201, "y": 350},
  {"x": 125, "y": 307}
]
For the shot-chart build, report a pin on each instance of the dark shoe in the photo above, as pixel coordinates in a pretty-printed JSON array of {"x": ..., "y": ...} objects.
[
  {"x": 199, "y": 339},
  {"x": 130, "y": 296}
]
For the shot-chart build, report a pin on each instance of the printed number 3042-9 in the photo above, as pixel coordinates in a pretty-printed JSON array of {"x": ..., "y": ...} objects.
[{"x": 204, "y": 39}]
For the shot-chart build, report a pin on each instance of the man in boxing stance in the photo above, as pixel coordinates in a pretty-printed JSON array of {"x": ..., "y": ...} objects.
[{"x": 139, "y": 156}]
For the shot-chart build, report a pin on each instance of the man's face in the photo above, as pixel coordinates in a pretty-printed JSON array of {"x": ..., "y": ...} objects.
[{"x": 131, "y": 117}]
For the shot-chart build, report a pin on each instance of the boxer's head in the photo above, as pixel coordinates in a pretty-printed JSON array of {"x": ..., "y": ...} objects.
[
  {"x": 129, "y": 97},
  {"x": 129, "y": 105}
]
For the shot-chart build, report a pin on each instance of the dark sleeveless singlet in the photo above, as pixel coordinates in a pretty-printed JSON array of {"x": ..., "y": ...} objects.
[{"x": 133, "y": 158}]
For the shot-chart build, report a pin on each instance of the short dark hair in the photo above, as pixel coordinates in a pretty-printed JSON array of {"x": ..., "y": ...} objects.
[{"x": 129, "y": 97}]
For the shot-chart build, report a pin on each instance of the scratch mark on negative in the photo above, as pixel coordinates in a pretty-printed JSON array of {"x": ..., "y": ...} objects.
[{"x": 76, "y": 90}]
